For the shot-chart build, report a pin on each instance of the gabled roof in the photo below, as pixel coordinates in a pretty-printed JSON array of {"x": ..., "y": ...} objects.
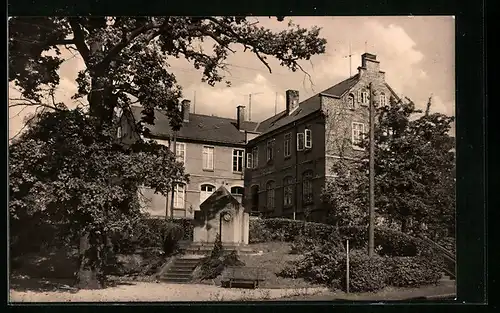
[
  {"x": 307, "y": 107},
  {"x": 200, "y": 127},
  {"x": 218, "y": 201}
]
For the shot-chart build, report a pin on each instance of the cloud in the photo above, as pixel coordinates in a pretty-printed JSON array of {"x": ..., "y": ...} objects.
[{"x": 444, "y": 107}]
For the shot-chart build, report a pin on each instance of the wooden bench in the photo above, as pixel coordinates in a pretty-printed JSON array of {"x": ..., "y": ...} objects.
[{"x": 243, "y": 276}]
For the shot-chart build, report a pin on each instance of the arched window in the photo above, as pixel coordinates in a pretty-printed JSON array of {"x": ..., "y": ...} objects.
[
  {"x": 288, "y": 184},
  {"x": 307, "y": 187},
  {"x": 270, "y": 195},
  {"x": 206, "y": 191},
  {"x": 350, "y": 101},
  {"x": 382, "y": 99},
  {"x": 237, "y": 190}
]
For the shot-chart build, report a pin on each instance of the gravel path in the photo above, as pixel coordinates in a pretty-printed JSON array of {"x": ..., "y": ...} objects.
[{"x": 160, "y": 292}]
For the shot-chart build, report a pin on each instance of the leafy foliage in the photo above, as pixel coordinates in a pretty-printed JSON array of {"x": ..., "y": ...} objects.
[
  {"x": 365, "y": 273},
  {"x": 413, "y": 271},
  {"x": 414, "y": 174},
  {"x": 326, "y": 264},
  {"x": 128, "y": 56},
  {"x": 213, "y": 265},
  {"x": 68, "y": 167},
  {"x": 65, "y": 172}
]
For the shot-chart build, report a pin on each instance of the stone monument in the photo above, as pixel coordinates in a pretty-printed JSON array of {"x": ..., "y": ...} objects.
[{"x": 223, "y": 214}]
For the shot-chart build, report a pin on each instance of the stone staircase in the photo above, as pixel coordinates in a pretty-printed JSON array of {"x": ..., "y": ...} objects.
[
  {"x": 182, "y": 267},
  {"x": 181, "y": 270}
]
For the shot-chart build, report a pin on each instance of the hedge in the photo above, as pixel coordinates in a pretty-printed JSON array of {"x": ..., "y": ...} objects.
[
  {"x": 388, "y": 242},
  {"x": 413, "y": 271},
  {"x": 154, "y": 233}
]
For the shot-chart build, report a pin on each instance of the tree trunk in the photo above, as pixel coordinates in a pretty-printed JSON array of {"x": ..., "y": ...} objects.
[{"x": 90, "y": 273}]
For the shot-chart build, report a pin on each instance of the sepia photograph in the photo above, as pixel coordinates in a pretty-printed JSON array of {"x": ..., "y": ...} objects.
[{"x": 231, "y": 158}]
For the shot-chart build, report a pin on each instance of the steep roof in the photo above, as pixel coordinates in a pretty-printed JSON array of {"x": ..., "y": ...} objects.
[
  {"x": 306, "y": 107},
  {"x": 200, "y": 127}
]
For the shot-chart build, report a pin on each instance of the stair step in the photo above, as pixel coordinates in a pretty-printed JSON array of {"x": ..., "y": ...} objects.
[
  {"x": 180, "y": 270},
  {"x": 177, "y": 275},
  {"x": 175, "y": 280}
]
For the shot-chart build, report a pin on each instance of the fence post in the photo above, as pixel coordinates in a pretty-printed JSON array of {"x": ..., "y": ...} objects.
[{"x": 347, "y": 267}]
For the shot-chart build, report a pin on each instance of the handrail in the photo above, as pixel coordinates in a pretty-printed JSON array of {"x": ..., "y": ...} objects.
[
  {"x": 442, "y": 249},
  {"x": 448, "y": 256}
]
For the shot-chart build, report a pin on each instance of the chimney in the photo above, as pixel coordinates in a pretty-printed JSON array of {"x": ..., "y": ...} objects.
[
  {"x": 240, "y": 116},
  {"x": 369, "y": 62},
  {"x": 292, "y": 101},
  {"x": 186, "y": 105}
]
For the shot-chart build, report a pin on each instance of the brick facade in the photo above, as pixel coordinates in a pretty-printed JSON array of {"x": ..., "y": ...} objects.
[{"x": 332, "y": 133}]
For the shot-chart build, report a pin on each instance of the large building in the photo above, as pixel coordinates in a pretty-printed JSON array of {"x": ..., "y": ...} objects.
[
  {"x": 291, "y": 159},
  {"x": 213, "y": 152}
]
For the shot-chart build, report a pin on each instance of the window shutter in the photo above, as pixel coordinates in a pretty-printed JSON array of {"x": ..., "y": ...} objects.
[
  {"x": 249, "y": 160},
  {"x": 308, "y": 139}
]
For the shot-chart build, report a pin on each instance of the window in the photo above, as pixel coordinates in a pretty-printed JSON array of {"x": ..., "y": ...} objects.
[
  {"x": 364, "y": 98},
  {"x": 179, "y": 196},
  {"x": 270, "y": 195},
  {"x": 307, "y": 187},
  {"x": 181, "y": 152},
  {"x": 383, "y": 99},
  {"x": 237, "y": 190},
  {"x": 249, "y": 160},
  {"x": 270, "y": 150},
  {"x": 308, "y": 139},
  {"x": 350, "y": 101},
  {"x": 358, "y": 130},
  {"x": 288, "y": 191},
  {"x": 206, "y": 191},
  {"x": 287, "y": 145},
  {"x": 300, "y": 141},
  {"x": 238, "y": 160},
  {"x": 208, "y": 158},
  {"x": 255, "y": 157},
  {"x": 119, "y": 132}
]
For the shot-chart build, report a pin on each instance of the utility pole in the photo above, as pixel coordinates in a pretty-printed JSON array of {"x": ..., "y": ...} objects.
[
  {"x": 371, "y": 227},
  {"x": 249, "y": 107},
  {"x": 350, "y": 59},
  {"x": 194, "y": 102},
  {"x": 276, "y": 104},
  {"x": 250, "y": 104}
]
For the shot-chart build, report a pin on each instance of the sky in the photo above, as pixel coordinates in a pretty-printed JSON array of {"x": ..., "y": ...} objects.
[{"x": 417, "y": 53}]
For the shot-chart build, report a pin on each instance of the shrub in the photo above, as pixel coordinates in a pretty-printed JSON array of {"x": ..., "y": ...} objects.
[
  {"x": 365, "y": 273},
  {"x": 319, "y": 265},
  {"x": 151, "y": 233},
  {"x": 413, "y": 271},
  {"x": 390, "y": 242},
  {"x": 213, "y": 265}
]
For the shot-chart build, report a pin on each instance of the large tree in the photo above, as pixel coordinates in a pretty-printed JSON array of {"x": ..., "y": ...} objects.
[
  {"x": 126, "y": 59},
  {"x": 65, "y": 173},
  {"x": 414, "y": 173}
]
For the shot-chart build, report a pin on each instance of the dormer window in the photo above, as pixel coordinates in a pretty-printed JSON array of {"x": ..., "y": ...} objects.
[
  {"x": 364, "y": 98},
  {"x": 350, "y": 101}
]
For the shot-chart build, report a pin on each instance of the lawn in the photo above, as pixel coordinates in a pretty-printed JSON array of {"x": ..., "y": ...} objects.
[{"x": 275, "y": 256}]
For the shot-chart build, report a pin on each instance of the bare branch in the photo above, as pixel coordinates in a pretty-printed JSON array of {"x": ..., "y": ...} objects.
[
  {"x": 32, "y": 103},
  {"x": 306, "y": 75},
  {"x": 26, "y": 123}
]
